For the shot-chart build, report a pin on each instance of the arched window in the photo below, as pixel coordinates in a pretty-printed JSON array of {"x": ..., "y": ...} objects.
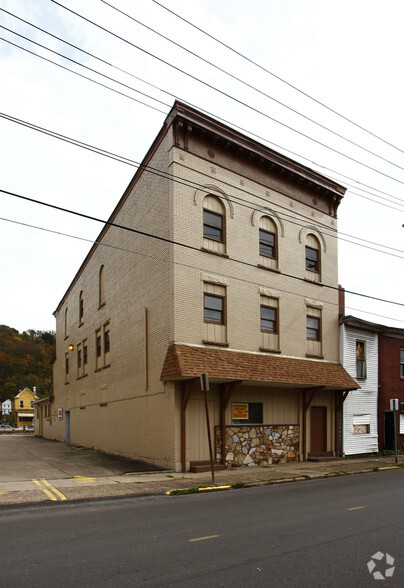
[
  {"x": 268, "y": 243},
  {"x": 101, "y": 292},
  {"x": 81, "y": 308},
  {"x": 313, "y": 258},
  {"x": 214, "y": 224}
]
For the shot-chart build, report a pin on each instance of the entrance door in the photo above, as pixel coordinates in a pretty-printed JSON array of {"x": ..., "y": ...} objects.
[
  {"x": 197, "y": 433},
  {"x": 389, "y": 429},
  {"x": 67, "y": 426},
  {"x": 318, "y": 429}
]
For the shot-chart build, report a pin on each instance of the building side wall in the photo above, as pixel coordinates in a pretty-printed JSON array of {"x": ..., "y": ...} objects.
[
  {"x": 122, "y": 406},
  {"x": 363, "y": 402}
]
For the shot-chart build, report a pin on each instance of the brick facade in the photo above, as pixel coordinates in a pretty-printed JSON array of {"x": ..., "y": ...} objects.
[{"x": 391, "y": 385}]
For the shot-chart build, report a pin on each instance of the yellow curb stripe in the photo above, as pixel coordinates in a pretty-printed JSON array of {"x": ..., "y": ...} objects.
[
  {"x": 356, "y": 507},
  {"x": 213, "y": 488},
  {"x": 389, "y": 468},
  {"x": 203, "y": 538},
  {"x": 53, "y": 489},
  {"x": 45, "y": 490}
]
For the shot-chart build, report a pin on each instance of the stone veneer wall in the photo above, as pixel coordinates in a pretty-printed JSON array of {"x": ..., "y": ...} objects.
[{"x": 249, "y": 445}]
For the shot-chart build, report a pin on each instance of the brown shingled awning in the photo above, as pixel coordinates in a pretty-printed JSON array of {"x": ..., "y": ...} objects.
[{"x": 185, "y": 361}]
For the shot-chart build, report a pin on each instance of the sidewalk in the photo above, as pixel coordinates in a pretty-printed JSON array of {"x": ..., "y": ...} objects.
[{"x": 151, "y": 483}]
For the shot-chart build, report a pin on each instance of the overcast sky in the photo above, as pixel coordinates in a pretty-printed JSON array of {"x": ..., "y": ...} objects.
[{"x": 346, "y": 55}]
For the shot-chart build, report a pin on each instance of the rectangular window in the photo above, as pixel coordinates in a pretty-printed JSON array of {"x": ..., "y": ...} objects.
[
  {"x": 85, "y": 352},
  {"x": 313, "y": 328},
  {"x": 247, "y": 413},
  {"x": 66, "y": 365},
  {"x": 213, "y": 309},
  {"x": 360, "y": 359},
  {"x": 106, "y": 340},
  {"x": 312, "y": 259},
  {"x": 269, "y": 319},
  {"x": 213, "y": 225},
  {"x": 98, "y": 343},
  {"x": 21, "y": 404},
  {"x": 78, "y": 358},
  {"x": 32, "y": 404},
  {"x": 361, "y": 424},
  {"x": 267, "y": 243},
  {"x": 401, "y": 363}
]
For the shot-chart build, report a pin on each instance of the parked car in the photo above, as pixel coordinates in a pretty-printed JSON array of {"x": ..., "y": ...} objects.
[
  {"x": 6, "y": 428},
  {"x": 30, "y": 427}
]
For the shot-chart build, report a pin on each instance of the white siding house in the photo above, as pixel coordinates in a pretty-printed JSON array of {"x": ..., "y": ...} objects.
[{"x": 359, "y": 357}]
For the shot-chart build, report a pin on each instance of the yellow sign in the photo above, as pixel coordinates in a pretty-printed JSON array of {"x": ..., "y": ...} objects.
[{"x": 239, "y": 410}]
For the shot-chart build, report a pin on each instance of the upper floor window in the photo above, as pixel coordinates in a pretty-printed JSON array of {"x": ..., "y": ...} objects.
[
  {"x": 313, "y": 332},
  {"x": 21, "y": 404},
  {"x": 401, "y": 363},
  {"x": 268, "y": 247},
  {"x": 214, "y": 224},
  {"x": 269, "y": 319},
  {"x": 66, "y": 324},
  {"x": 214, "y": 309},
  {"x": 360, "y": 359},
  {"x": 101, "y": 292},
  {"x": 313, "y": 328},
  {"x": 313, "y": 258},
  {"x": 81, "y": 307},
  {"x": 214, "y": 314}
]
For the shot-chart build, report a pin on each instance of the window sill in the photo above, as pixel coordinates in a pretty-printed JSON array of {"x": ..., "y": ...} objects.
[
  {"x": 315, "y": 282},
  {"x": 215, "y": 343},
  {"x": 106, "y": 366},
  {"x": 311, "y": 356},
  {"x": 266, "y": 350},
  {"x": 214, "y": 253},
  {"x": 103, "y": 404},
  {"x": 269, "y": 269},
  {"x": 82, "y": 408},
  {"x": 81, "y": 324},
  {"x": 101, "y": 305}
]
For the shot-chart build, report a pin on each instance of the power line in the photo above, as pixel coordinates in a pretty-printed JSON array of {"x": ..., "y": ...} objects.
[
  {"x": 278, "y": 77},
  {"x": 250, "y": 86},
  {"x": 181, "y": 264},
  {"x": 152, "y": 98},
  {"x": 236, "y": 200},
  {"x": 178, "y": 243},
  {"x": 223, "y": 93}
]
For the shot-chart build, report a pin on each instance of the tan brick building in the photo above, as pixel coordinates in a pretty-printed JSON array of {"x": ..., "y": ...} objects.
[{"x": 218, "y": 259}]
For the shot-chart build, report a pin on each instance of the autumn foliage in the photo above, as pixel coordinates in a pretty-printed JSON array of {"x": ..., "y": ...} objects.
[{"x": 25, "y": 361}]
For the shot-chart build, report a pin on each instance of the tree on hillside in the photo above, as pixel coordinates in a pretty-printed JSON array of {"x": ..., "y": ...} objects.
[{"x": 25, "y": 361}]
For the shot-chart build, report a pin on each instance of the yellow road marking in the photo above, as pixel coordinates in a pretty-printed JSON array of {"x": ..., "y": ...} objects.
[
  {"x": 203, "y": 538},
  {"x": 356, "y": 507},
  {"x": 51, "y": 492},
  {"x": 83, "y": 479}
]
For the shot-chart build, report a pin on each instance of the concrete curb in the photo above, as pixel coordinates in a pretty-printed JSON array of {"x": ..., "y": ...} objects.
[{"x": 240, "y": 485}]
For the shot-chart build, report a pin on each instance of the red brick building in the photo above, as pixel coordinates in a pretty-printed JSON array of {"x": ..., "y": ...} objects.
[{"x": 391, "y": 385}]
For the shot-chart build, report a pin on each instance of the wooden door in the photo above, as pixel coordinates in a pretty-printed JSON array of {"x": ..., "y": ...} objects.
[{"x": 318, "y": 429}]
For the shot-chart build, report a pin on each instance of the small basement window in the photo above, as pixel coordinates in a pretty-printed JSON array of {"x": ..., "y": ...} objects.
[{"x": 247, "y": 413}]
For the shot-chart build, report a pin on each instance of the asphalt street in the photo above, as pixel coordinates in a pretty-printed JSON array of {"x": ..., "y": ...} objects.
[{"x": 327, "y": 532}]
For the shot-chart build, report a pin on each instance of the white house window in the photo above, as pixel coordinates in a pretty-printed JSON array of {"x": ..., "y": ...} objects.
[
  {"x": 360, "y": 359},
  {"x": 361, "y": 424}
]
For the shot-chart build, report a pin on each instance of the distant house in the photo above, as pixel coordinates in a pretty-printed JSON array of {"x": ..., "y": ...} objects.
[
  {"x": 359, "y": 356},
  {"x": 6, "y": 410},
  {"x": 22, "y": 408}
]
